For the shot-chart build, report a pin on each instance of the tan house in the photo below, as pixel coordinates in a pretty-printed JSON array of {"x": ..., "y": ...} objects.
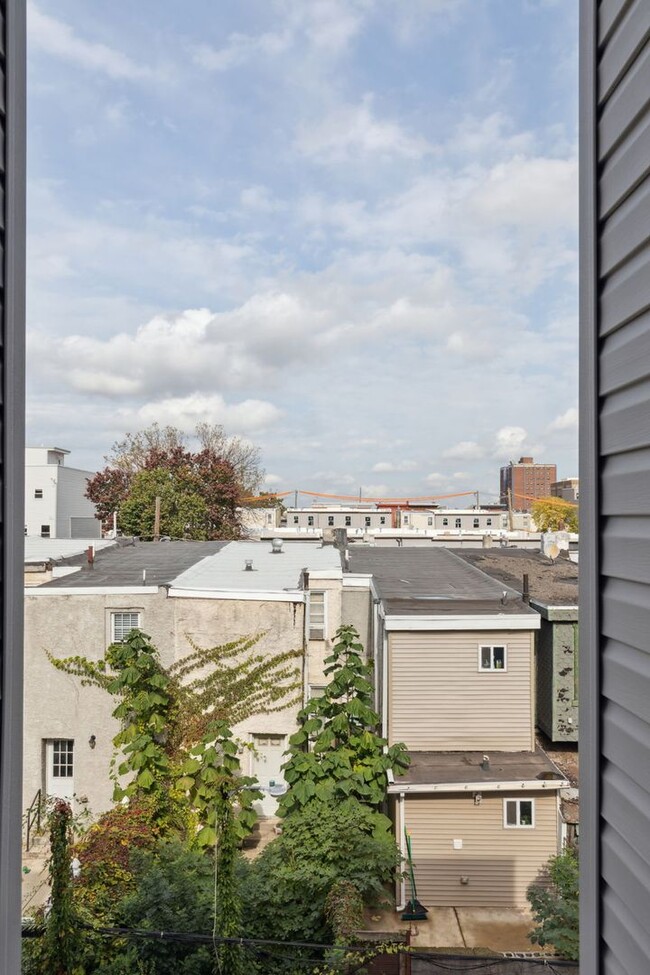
[
  {"x": 206, "y": 592},
  {"x": 455, "y": 660}
]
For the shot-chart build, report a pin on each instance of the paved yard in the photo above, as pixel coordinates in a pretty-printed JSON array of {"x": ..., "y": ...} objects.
[{"x": 498, "y": 929}]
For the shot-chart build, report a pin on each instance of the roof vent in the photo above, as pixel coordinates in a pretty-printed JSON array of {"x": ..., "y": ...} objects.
[
  {"x": 485, "y": 764},
  {"x": 248, "y": 565},
  {"x": 276, "y": 546}
]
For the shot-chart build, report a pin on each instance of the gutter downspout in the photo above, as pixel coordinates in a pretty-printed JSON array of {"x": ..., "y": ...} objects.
[
  {"x": 384, "y": 683},
  {"x": 305, "y": 637},
  {"x": 401, "y": 884}
]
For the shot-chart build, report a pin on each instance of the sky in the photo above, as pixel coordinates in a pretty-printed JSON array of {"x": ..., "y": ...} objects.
[{"x": 344, "y": 229}]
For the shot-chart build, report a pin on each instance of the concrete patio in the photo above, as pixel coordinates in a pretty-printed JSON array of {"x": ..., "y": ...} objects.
[{"x": 495, "y": 929}]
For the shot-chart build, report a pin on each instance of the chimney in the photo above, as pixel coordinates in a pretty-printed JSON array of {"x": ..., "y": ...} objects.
[
  {"x": 90, "y": 555},
  {"x": 526, "y": 590}
]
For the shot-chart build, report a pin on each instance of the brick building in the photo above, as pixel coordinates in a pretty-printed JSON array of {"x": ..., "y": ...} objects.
[{"x": 526, "y": 481}]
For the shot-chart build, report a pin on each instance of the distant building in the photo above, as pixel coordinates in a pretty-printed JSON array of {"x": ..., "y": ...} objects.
[
  {"x": 365, "y": 517},
  {"x": 568, "y": 489},
  {"x": 524, "y": 481},
  {"x": 55, "y": 502}
]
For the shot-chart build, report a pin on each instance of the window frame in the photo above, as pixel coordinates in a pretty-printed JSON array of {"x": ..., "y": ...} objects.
[
  {"x": 492, "y": 647},
  {"x": 62, "y": 758},
  {"x": 46, "y": 531},
  {"x": 518, "y": 824},
  {"x": 38, "y": 494},
  {"x": 321, "y": 627},
  {"x": 459, "y": 522},
  {"x": 123, "y": 612}
]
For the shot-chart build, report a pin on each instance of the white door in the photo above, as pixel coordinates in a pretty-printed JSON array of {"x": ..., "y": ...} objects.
[
  {"x": 268, "y": 759},
  {"x": 59, "y": 768}
]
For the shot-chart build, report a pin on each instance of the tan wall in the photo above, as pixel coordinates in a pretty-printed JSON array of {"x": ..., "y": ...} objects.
[
  {"x": 499, "y": 862},
  {"x": 439, "y": 701}
]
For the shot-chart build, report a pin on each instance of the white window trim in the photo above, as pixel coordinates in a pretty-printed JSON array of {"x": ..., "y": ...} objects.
[
  {"x": 492, "y": 669},
  {"x": 518, "y": 825},
  {"x": 119, "y": 612},
  {"x": 309, "y": 623}
]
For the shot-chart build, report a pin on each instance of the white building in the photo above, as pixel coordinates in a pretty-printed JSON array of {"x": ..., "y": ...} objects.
[{"x": 55, "y": 502}]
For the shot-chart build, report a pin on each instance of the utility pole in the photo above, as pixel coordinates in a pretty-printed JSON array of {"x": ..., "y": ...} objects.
[
  {"x": 476, "y": 495},
  {"x": 295, "y": 499},
  {"x": 156, "y": 521},
  {"x": 510, "y": 517}
]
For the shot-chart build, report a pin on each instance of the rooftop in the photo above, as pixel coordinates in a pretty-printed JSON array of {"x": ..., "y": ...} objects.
[
  {"x": 271, "y": 571},
  {"x": 432, "y": 768},
  {"x": 124, "y": 564},
  {"x": 39, "y": 549},
  {"x": 433, "y": 581},
  {"x": 554, "y": 583}
]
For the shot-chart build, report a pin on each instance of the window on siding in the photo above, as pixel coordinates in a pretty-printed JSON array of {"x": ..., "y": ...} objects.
[
  {"x": 367, "y": 519},
  {"x": 38, "y": 492},
  {"x": 316, "y": 615},
  {"x": 489, "y": 522},
  {"x": 122, "y": 623},
  {"x": 519, "y": 813},
  {"x": 445, "y": 522},
  {"x": 310, "y": 520},
  {"x": 476, "y": 523},
  {"x": 348, "y": 521},
  {"x": 330, "y": 520},
  {"x": 45, "y": 531},
  {"x": 458, "y": 523},
  {"x": 382, "y": 520},
  {"x": 492, "y": 658}
]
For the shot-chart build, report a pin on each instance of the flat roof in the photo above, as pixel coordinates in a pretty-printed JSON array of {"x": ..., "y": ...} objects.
[
  {"x": 271, "y": 571},
  {"x": 39, "y": 549},
  {"x": 433, "y": 581},
  {"x": 431, "y": 768},
  {"x": 551, "y": 582},
  {"x": 123, "y": 564}
]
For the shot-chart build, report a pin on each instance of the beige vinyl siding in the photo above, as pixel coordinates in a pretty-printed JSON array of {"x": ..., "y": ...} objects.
[
  {"x": 499, "y": 862},
  {"x": 439, "y": 701}
]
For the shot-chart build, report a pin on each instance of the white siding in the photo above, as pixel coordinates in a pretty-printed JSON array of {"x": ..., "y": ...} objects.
[{"x": 439, "y": 701}]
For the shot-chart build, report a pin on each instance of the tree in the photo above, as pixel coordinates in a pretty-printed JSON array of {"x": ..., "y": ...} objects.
[
  {"x": 338, "y": 751},
  {"x": 554, "y": 514},
  {"x": 554, "y": 905},
  {"x": 200, "y": 489}
]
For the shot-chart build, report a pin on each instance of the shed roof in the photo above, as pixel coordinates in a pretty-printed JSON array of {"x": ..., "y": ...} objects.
[
  {"x": 431, "y": 768},
  {"x": 554, "y": 583}
]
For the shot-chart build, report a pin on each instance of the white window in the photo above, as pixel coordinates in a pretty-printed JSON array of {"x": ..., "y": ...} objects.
[
  {"x": 62, "y": 758},
  {"x": 310, "y": 520},
  {"x": 296, "y": 519},
  {"x": 519, "y": 813},
  {"x": 45, "y": 531},
  {"x": 38, "y": 492},
  {"x": 367, "y": 521},
  {"x": 458, "y": 523},
  {"x": 316, "y": 615},
  {"x": 382, "y": 520},
  {"x": 476, "y": 523},
  {"x": 405, "y": 519},
  {"x": 122, "y": 623},
  {"x": 330, "y": 520},
  {"x": 445, "y": 522},
  {"x": 489, "y": 522},
  {"x": 430, "y": 520},
  {"x": 348, "y": 521},
  {"x": 316, "y": 690},
  {"x": 492, "y": 658}
]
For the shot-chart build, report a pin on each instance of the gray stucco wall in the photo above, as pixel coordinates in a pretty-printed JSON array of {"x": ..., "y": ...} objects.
[{"x": 557, "y": 666}]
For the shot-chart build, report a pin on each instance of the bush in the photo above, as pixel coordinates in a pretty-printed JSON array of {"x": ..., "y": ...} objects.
[
  {"x": 555, "y": 905},
  {"x": 285, "y": 890}
]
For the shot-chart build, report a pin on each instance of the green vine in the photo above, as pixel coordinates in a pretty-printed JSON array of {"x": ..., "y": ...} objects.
[{"x": 61, "y": 944}]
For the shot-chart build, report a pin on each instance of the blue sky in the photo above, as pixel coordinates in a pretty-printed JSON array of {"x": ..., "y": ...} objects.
[{"x": 344, "y": 229}]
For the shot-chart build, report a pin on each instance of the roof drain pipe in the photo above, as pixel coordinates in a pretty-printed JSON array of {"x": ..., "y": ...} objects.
[
  {"x": 401, "y": 884},
  {"x": 526, "y": 589}
]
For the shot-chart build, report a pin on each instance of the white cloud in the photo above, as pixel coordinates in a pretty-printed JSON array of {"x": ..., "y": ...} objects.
[
  {"x": 54, "y": 37},
  {"x": 465, "y": 450},
  {"x": 386, "y": 467},
  {"x": 436, "y": 479},
  {"x": 273, "y": 480},
  {"x": 566, "y": 421},
  {"x": 350, "y": 131},
  {"x": 185, "y": 412},
  {"x": 460, "y": 476},
  {"x": 240, "y": 49},
  {"x": 375, "y": 490},
  {"x": 509, "y": 441}
]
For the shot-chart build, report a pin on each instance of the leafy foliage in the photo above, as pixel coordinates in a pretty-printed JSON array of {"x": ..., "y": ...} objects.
[
  {"x": 323, "y": 846},
  {"x": 199, "y": 490},
  {"x": 347, "y": 757},
  {"x": 555, "y": 905},
  {"x": 554, "y": 514},
  {"x": 61, "y": 944}
]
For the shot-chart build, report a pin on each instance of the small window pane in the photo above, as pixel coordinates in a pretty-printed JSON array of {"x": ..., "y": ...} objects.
[
  {"x": 123, "y": 623},
  {"x": 296, "y": 519},
  {"x": 348, "y": 521},
  {"x": 486, "y": 658},
  {"x": 458, "y": 523},
  {"x": 330, "y": 520},
  {"x": 45, "y": 531},
  {"x": 525, "y": 813},
  {"x": 499, "y": 657},
  {"x": 511, "y": 812},
  {"x": 38, "y": 492},
  {"x": 62, "y": 750}
]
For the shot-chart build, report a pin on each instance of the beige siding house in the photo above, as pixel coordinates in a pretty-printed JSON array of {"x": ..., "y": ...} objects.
[{"x": 455, "y": 656}]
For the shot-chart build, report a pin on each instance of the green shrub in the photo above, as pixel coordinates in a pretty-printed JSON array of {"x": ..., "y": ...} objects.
[{"x": 555, "y": 905}]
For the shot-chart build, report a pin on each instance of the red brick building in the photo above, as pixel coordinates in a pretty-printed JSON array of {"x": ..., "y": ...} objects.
[{"x": 526, "y": 481}]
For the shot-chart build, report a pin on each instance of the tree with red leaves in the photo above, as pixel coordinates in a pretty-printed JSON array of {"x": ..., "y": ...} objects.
[{"x": 199, "y": 491}]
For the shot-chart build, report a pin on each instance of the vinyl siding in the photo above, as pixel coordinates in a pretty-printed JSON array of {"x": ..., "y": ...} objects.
[
  {"x": 439, "y": 701},
  {"x": 615, "y": 470},
  {"x": 499, "y": 862}
]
